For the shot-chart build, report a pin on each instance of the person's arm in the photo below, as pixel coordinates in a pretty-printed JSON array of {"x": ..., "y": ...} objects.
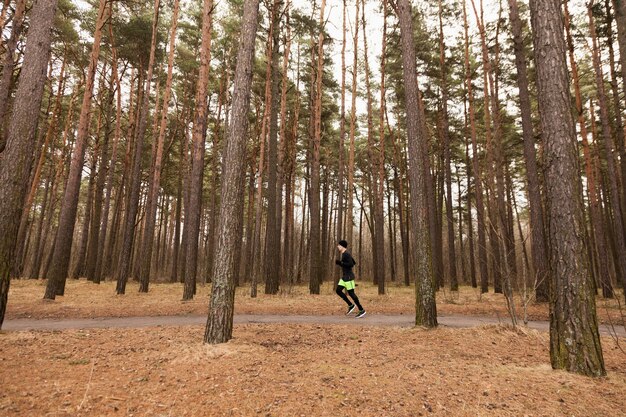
[{"x": 345, "y": 260}]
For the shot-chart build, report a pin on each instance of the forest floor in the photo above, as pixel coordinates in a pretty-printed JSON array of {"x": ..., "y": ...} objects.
[
  {"x": 290, "y": 369},
  {"x": 84, "y": 299}
]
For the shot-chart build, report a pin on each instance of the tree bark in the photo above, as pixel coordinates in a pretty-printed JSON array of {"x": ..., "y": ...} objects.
[
  {"x": 596, "y": 212},
  {"x": 274, "y": 206},
  {"x": 67, "y": 217},
  {"x": 445, "y": 128},
  {"x": 425, "y": 306},
  {"x": 314, "y": 189},
  {"x": 192, "y": 210},
  {"x": 342, "y": 132},
  {"x": 538, "y": 246},
  {"x": 620, "y": 19},
  {"x": 377, "y": 188},
  {"x": 574, "y": 338},
  {"x": 351, "y": 153},
  {"x": 9, "y": 64},
  {"x": 612, "y": 193},
  {"x": 220, "y": 321},
  {"x": 124, "y": 269},
  {"x": 17, "y": 159},
  {"x": 155, "y": 176},
  {"x": 478, "y": 189}
]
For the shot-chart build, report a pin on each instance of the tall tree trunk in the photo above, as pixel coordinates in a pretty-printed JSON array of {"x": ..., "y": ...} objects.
[
  {"x": 617, "y": 113},
  {"x": 256, "y": 258},
  {"x": 124, "y": 269},
  {"x": 283, "y": 144},
  {"x": 81, "y": 249},
  {"x": 382, "y": 176},
  {"x": 35, "y": 182},
  {"x": 17, "y": 159},
  {"x": 41, "y": 265},
  {"x": 273, "y": 227},
  {"x": 192, "y": 210},
  {"x": 314, "y": 190},
  {"x": 478, "y": 189},
  {"x": 537, "y": 236},
  {"x": 620, "y": 19},
  {"x": 594, "y": 200},
  {"x": 342, "y": 131},
  {"x": 220, "y": 321},
  {"x": 399, "y": 165},
  {"x": 350, "y": 189},
  {"x": 613, "y": 193},
  {"x": 93, "y": 254},
  {"x": 37, "y": 245},
  {"x": 425, "y": 306},
  {"x": 445, "y": 128},
  {"x": 376, "y": 159},
  {"x": 492, "y": 193},
  {"x": 114, "y": 85},
  {"x": 155, "y": 175},
  {"x": 290, "y": 177},
  {"x": 574, "y": 338},
  {"x": 67, "y": 217},
  {"x": 176, "y": 250}
]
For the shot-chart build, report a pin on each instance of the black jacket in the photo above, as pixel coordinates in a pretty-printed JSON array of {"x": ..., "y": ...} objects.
[{"x": 347, "y": 262}]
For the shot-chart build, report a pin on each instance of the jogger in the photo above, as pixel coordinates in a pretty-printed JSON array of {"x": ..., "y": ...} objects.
[{"x": 347, "y": 262}]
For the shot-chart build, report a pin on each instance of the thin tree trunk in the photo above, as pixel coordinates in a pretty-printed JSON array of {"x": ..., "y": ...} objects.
[
  {"x": 273, "y": 227},
  {"x": 613, "y": 193},
  {"x": 314, "y": 190},
  {"x": 351, "y": 153},
  {"x": 93, "y": 254},
  {"x": 220, "y": 321},
  {"x": 124, "y": 269},
  {"x": 67, "y": 217},
  {"x": 492, "y": 194},
  {"x": 192, "y": 210},
  {"x": 35, "y": 183},
  {"x": 114, "y": 84},
  {"x": 538, "y": 246},
  {"x": 342, "y": 132},
  {"x": 283, "y": 145},
  {"x": 478, "y": 190},
  {"x": 454, "y": 282},
  {"x": 596, "y": 214},
  {"x": 620, "y": 19},
  {"x": 256, "y": 258},
  {"x": 81, "y": 249},
  {"x": 155, "y": 177}
]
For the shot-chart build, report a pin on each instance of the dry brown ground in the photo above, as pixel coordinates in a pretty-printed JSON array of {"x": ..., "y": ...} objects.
[
  {"x": 299, "y": 370},
  {"x": 85, "y": 299}
]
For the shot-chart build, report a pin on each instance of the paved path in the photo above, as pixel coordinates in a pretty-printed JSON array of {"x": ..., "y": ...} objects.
[{"x": 369, "y": 320}]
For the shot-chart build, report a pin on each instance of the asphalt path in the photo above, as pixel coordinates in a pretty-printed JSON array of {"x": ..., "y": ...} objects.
[{"x": 399, "y": 320}]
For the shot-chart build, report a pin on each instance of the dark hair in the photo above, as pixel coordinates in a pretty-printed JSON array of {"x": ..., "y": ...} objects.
[{"x": 343, "y": 243}]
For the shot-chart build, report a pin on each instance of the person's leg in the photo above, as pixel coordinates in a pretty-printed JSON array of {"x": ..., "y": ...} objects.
[
  {"x": 352, "y": 295},
  {"x": 343, "y": 296}
]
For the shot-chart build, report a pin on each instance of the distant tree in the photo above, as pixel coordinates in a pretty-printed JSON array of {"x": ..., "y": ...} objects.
[{"x": 67, "y": 218}]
